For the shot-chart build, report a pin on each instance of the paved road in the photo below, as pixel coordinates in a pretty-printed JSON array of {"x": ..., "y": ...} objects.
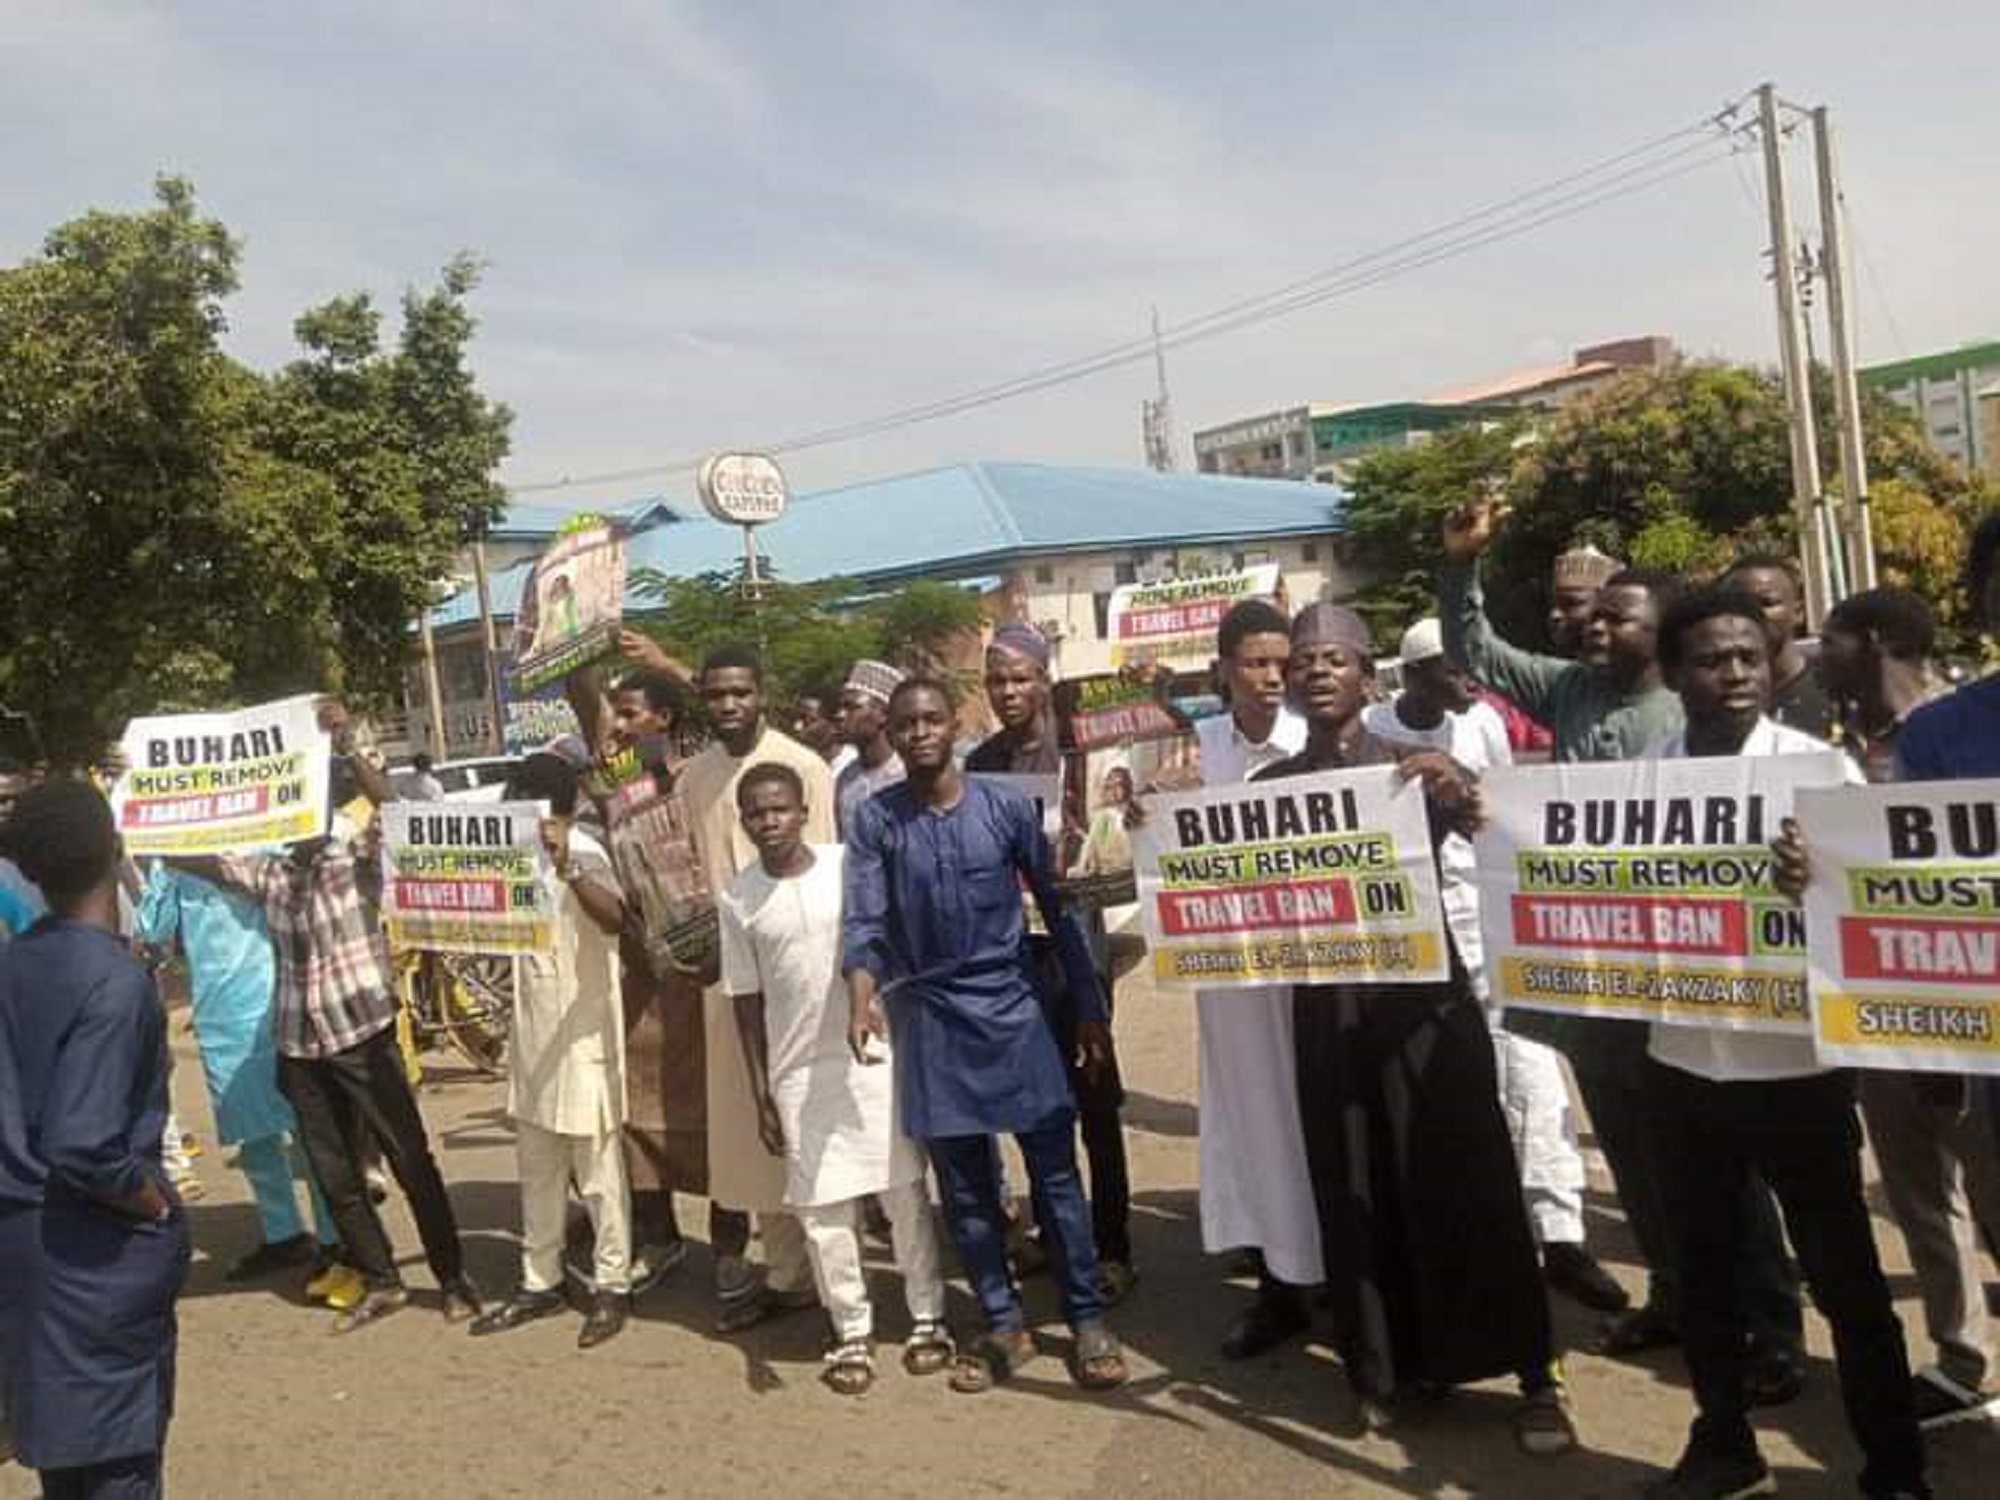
[{"x": 270, "y": 1404}]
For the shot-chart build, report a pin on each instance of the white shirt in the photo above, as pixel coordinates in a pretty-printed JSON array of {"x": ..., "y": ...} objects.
[
  {"x": 781, "y": 940},
  {"x": 1739, "y": 1056},
  {"x": 1229, "y": 756}
]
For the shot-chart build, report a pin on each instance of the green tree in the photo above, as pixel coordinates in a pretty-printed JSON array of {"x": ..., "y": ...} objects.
[
  {"x": 178, "y": 530},
  {"x": 1396, "y": 501},
  {"x": 1680, "y": 469},
  {"x": 807, "y": 633}
]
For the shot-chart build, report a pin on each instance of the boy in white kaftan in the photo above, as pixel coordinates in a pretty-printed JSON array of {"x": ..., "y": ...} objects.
[{"x": 830, "y": 1116}]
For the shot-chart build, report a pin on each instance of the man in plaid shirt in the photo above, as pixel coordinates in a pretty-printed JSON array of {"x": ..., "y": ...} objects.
[{"x": 338, "y": 1062}]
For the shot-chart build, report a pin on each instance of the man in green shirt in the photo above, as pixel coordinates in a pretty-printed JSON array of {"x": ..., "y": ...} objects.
[{"x": 1611, "y": 704}]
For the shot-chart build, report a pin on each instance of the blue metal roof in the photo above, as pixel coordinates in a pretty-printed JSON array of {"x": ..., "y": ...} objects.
[
  {"x": 533, "y": 520},
  {"x": 973, "y": 518}
]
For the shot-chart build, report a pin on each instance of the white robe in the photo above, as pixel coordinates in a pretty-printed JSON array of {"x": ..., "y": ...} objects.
[
  {"x": 781, "y": 939},
  {"x": 741, "y": 1173},
  {"x": 566, "y": 1062},
  {"x": 1255, "y": 1187},
  {"x": 1534, "y": 1095}
]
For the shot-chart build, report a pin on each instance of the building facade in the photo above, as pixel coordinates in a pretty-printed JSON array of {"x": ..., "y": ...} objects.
[
  {"x": 1323, "y": 442},
  {"x": 1955, "y": 395},
  {"x": 1037, "y": 542}
]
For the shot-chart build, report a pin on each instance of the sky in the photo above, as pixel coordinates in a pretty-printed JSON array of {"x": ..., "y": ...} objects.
[{"x": 716, "y": 225}]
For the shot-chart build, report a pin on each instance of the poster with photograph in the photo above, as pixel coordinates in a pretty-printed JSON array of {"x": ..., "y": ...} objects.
[{"x": 571, "y": 609}]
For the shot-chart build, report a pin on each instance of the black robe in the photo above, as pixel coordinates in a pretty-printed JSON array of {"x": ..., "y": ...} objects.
[{"x": 1431, "y": 1266}]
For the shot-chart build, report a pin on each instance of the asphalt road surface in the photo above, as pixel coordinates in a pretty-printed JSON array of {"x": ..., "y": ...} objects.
[{"x": 271, "y": 1404}]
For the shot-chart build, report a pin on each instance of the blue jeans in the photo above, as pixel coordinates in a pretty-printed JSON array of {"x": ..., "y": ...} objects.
[{"x": 969, "y": 1182}]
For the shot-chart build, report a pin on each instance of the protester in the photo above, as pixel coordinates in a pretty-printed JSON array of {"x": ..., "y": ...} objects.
[
  {"x": 1738, "y": 1104},
  {"x": 1940, "y": 1168},
  {"x": 1957, "y": 737},
  {"x": 864, "y": 725},
  {"x": 338, "y": 1060},
  {"x": 1431, "y": 1270},
  {"x": 1799, "y": 698},
  {"x": 1437, "y": 711},
  {"x": 565, "y": 1072},
  {"x": 231, "y": 974},
  {"x": 933, "y": 946},
  {"x": 21, "y": 905},
  {"x": 816, "y": 724},
  {"x": 1027, "y": 744},
  {"x": 1575, "y": 581},
  {"x": 632, "y": 732},
  {"x": 1256, "y": 1192},
  {"x": 830, "y": 1117},
  {"x": 742, "y": 1174},
  {"x": 420, "y": 782},
  {"x": 93, "y": 1245},
  {"x": 1610, "y": 705}
]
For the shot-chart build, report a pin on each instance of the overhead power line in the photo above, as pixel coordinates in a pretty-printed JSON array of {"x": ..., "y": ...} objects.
[{"x": 1695, "y": 146}]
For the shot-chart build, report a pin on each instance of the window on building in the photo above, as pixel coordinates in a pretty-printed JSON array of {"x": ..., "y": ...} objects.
[
  {"x": 1044, "y": 573},
  {"x": 1100, "y": 609},
  {"x": 1125, "y": 572},
  {"x": 1309, "y": 552}
]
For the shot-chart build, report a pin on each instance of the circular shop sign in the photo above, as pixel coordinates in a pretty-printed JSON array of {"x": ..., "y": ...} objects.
[{"x": 742, "y": 489}]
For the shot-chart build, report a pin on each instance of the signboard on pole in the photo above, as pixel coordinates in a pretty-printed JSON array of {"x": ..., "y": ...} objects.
[
  {"x": 742, "y": 489},
  {"x": 1903, "y": 925},
  {"x": 466, "y": 878},
  {"x": 1173, "y": 622},
  {"x": 216, "y": 783},
  {"x": 1644, "y": 890},
  {"x": 572, "y": 608},
  {"x": 1302, "y": 880}
]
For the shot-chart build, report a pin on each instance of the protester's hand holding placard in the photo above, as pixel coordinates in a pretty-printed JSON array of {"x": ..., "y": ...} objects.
[
  {"x": 1644, "y": 889},
  {"x": 217, "y": 783},
  {"x": 1903, "y": 922},
  {"x": 467, "y": 877},
  {"x": 1317, "y": 879}
]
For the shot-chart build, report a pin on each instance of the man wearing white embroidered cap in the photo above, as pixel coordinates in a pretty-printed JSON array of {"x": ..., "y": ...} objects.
[{"x": 864, "y": 724}]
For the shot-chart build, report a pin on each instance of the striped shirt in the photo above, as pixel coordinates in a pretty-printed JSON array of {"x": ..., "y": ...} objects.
[{"x": 335, "y": 988}]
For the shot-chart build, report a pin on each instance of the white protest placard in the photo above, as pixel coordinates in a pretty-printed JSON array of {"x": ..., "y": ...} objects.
[
  {"x": 1174, "y": 622},
  {"x": 1643, "y": 889},
  {"x": 461, "y": 877},
  {"x": 1317, "y": 879},
  {"x": 215, "y": 783},
  {"x": 1903, "y": 924}
]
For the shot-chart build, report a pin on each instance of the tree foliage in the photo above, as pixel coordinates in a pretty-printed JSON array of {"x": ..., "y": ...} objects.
[
  {"x": 808, "y": 634},
  {"x": 1680, "y": 469},
  {"x": 179, "y": 530}
]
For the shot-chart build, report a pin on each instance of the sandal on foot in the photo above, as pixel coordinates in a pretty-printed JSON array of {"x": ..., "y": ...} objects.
[
  {"x": 372, "y": 1308},
  {"x": 1096, "y": 1364},
  {"x": 850, "y": 1368},
  {"x": 928, "y": 1349},
  {"x": 989, "y": 1362}
]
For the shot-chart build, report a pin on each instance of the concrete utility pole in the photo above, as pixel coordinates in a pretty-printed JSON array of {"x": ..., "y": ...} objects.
[
  {"x": 1857, "y": 528},
  {"x": 1808, "y": 502},
  {"x": 434, "y": 738}
]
